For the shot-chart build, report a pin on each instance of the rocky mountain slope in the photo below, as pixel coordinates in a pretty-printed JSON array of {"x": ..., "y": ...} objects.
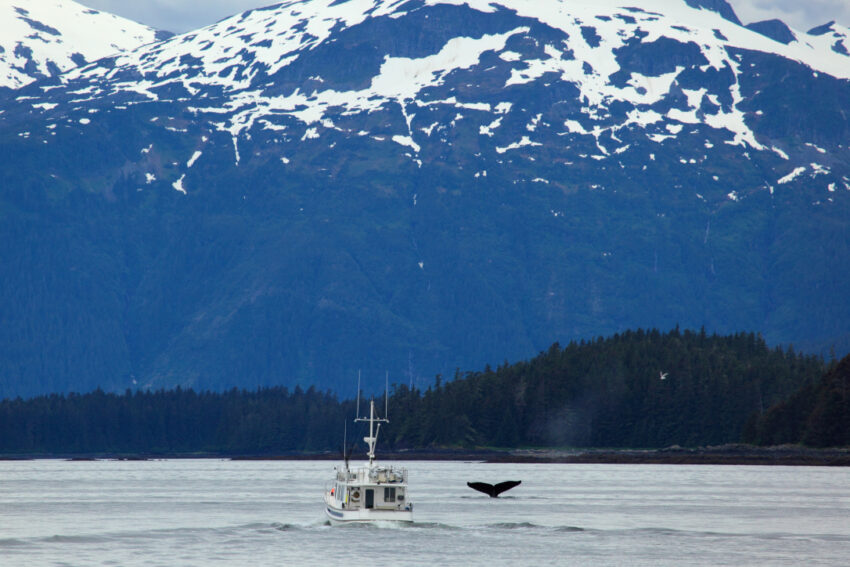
[{"x": 415, "y": 186}]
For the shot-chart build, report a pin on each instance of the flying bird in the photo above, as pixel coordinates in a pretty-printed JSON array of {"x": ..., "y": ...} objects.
[{"x": 662, "y": 375}]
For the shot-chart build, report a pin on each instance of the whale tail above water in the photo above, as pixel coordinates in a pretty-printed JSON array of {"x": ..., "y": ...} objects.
[{"x": 493, "y": 490}]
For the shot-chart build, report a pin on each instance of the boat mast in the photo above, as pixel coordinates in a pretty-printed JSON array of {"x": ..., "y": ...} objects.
[
  {"x": 372, "y": 439},
  {"x": 345, "y": 454},
  {"x": 358, "y": 395}
]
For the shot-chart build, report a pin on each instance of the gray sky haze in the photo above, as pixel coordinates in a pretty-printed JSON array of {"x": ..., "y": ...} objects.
[{"x": 184, "y": 15}]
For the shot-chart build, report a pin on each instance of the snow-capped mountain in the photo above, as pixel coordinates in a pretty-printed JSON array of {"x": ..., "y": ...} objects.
[
  {"x": 661, "y": 69},
  {"x": 44, "y": 38},
  {"x": 422, "y": 185}
]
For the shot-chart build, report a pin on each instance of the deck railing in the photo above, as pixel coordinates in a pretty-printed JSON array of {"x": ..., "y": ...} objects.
[{"x": 377, "y": 475}]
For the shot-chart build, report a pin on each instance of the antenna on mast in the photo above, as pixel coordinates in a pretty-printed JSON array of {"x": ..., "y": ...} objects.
[
  {"x": 372, "y": 439},
  {"x": 345, "y": 454},
  {"x": 387, "y": 396},
  {"x": 358, "y": 394}
]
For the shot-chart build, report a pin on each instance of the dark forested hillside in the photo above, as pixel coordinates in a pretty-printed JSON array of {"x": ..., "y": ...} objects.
[
  {"x": 169, "y": 422},
  {"x": 818, "y": 415},
  {"x": 636, "y": 389}
]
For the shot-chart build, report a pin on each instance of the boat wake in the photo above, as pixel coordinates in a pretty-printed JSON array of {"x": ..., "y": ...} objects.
[{"x": 384, "y": 525}]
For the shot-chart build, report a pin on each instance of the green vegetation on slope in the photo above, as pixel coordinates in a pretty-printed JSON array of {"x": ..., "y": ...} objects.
[
  {"x": 635, "y": 389},
  {"x": 818, "y": 415}
]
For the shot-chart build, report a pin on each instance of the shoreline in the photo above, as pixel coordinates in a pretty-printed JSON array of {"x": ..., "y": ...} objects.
[{"x": 786, "y": 455}]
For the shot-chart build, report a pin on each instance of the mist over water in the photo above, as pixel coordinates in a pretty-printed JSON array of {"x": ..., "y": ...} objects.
[{"x": 196, "y": 512}]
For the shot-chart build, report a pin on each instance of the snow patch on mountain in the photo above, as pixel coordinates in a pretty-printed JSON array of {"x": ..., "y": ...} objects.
[
  {"x": 792, "y": 176},
  {"x": 178, "y": 185},
  {"x": 44, "y": 38},
  {"x": 525, "y": 141},
  {"x": 633, "y": 70},
  {"x": 407, "y": 141},
  {"x": 832, "y": 36},
  {"x": 194, "y": 158},
  {"x": 399, "y": 80},
  {"x": 233, "y": 54}
]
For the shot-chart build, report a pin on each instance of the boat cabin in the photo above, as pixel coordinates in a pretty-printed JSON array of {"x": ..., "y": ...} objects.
[{"x": 381, "y": 488}]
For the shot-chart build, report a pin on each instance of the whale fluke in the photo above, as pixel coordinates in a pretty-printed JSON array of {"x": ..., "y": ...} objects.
[{"x": 491, "y": 490}]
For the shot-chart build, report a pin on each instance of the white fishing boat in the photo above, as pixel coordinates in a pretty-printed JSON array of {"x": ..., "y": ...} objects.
[{"x": 372, "y": 492}]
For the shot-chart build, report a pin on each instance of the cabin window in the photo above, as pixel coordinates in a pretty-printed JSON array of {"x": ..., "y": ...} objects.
[{"x": 389, "y": 494}]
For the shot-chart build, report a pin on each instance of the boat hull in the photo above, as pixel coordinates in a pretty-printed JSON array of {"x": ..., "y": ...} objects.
[{"x": 341, "y": 516}]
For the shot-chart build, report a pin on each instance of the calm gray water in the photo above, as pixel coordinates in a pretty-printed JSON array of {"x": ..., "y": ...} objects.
[{"x": 203, "y": 512}]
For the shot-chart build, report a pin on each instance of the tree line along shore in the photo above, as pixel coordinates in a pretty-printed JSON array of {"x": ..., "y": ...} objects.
[{"x": 644, "y": 396}]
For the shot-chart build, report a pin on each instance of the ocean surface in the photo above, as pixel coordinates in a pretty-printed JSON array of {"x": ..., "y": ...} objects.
[{"x": 256, "y": 513}]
